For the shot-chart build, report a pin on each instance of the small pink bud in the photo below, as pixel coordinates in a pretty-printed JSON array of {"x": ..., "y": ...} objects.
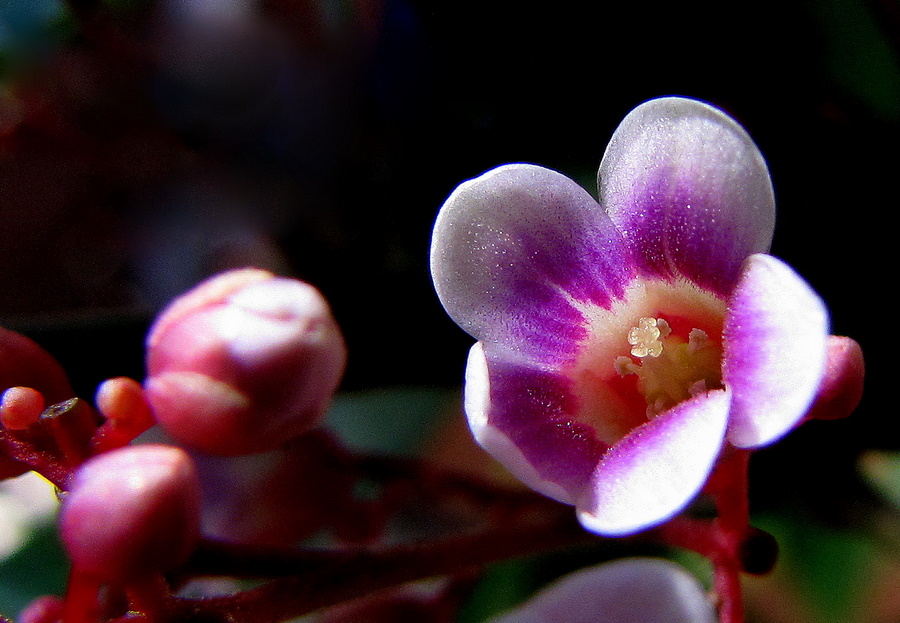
[
  {"x": 132, "y": 512},
  {"x": 123, "y": 403},
  {"x": 243, "y": 363},
  {"x": 20, "y": 407},
  {"x": 842, "y": 385}
]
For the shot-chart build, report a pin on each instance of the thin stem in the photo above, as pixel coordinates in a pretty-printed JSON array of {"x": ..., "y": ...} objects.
[
  {"x": 40, "y": 461},
  {"x": 82, "y": 598},
  {"x": 353, "y": 574},
  {"x": 730, "y": 490}
]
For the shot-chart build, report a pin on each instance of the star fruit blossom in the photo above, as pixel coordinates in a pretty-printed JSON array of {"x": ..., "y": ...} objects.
[{"x": 623, "y": 345}]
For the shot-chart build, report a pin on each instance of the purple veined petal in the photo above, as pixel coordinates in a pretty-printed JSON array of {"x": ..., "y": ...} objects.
[
  {"x": 689, "y": 190},
  {"x": 657, "y": 469},
  {"x": 513, "y": 253},
  {"x": 524, "y": 419},
  {"x": 631, "y": 590},
  {"x": 775, "y": 349}
]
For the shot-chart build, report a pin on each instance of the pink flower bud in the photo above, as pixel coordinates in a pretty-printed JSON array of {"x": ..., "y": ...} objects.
[
  {"x": 842, "y": 384},
  {"x": 243, "y": 363},
  {"x": 132, "y": 512},
  {"x": 123, "y": 403},
  {"x": 20, "y": 407}
]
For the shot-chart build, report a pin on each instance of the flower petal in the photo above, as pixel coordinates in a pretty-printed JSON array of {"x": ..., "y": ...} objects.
[
  {"x": 657, "y": 469},
  {"x": 512, "y": 251},
  {"x": 525, "y": 419},
  {"x": 689, "y": 190},
  {"x": 775, "y": 348},
  {"x": 632, "y": 590}
]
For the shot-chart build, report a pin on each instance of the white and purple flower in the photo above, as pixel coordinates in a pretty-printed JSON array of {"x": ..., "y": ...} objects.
[{"x": 623, "y": 345}]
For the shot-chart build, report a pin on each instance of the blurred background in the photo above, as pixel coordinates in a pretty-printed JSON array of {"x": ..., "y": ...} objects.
[{"x": 145, "y": 144}]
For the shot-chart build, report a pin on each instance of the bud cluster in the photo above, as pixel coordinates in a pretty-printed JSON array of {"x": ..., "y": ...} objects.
[{"x": 244, "y": 363}]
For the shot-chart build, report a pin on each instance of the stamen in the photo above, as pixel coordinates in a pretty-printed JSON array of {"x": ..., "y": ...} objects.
[
  {"x": 625, "y": 366},
  {"x": 697, "y": 339},
  {"x": 670, "y": 369},
  {"x": 645, "y": 337}
]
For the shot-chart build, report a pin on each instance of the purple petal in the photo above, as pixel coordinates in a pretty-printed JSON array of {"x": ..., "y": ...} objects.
[
  {"x": 656, "y": 470},
  {"x": 512, "y": 251},
  {"x": 632, "y": 590},
  {"x": 689, "y": 190},
  {"x": 775, "y": 349},
  {"x": 526, "y": 419}
]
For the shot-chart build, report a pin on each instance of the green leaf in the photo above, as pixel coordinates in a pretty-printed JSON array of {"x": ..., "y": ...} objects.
[
  {"x": 38, "y": 568},
  {"x": 389, "y": 421},
  {"x": 882, "y": 471},
  {"x": 859, "y": 57},
  {"x": 502, "y": 587},
  {"x": 830, "y": 567}
]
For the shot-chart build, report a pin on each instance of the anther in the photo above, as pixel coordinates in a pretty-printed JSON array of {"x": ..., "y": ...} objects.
[{"x": 645, "y": 338}]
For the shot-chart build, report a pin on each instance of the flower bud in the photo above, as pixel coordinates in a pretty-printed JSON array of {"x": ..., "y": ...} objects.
[
  {"x": 123, "y": 403},
  {"x": 842, "y": 384},
  {"x": 243, "y": 363},
  {"x": 132, "y": 512},
  {"x": 20, "y": 407}
]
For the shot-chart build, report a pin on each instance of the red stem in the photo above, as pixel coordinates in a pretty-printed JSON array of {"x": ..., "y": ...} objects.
[
  {"x": 730, "y": 490},
  {"x": 356, "y": 573},
  {"x": 82, "y": 604}
]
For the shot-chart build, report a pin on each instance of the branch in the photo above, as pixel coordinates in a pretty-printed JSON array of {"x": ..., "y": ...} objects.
[{"x": 332, "y": 577}]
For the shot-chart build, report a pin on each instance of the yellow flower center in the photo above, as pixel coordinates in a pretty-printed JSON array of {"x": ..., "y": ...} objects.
[{"x": 669, "y": 368}]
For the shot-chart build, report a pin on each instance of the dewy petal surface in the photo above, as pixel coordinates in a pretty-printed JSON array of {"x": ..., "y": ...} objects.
[
  {"x": 514, "y": 248},
  {"x": 690, "y": 191},
  {"x": 658, "y": 468},
  {"x": 775, "y": 349}
]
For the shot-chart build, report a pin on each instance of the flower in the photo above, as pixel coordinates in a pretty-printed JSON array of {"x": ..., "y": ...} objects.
[
  {"x": 243, "y": 362},
  {"x": 622, "y": 345},
  {"x": 132, "y": 512},
  {"x": 631, "y": 590}
]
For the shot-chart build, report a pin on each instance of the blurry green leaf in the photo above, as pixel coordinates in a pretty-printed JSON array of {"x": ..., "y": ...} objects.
[
  {"x": 831, "y": 568},
  {"x": 389, "y": 421},
  {"x": 858, "y": 56},
  {"x": 502, "y": 587},
  {"x": 39, "y": 568},
  {"x": 882, "y": 471}
]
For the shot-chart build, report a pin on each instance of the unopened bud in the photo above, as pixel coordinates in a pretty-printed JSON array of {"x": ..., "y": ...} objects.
[
  {"x": 243, "y": 363},
  {"x": 127, "y": 413},
  {"x": 842, "y": 384},
  {"x": 20, "y": 407},
  {"x": 132, "y": 512}
]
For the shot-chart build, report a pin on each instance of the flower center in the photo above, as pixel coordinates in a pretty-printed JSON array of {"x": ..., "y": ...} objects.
[{"x": 670, "y": 368}]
